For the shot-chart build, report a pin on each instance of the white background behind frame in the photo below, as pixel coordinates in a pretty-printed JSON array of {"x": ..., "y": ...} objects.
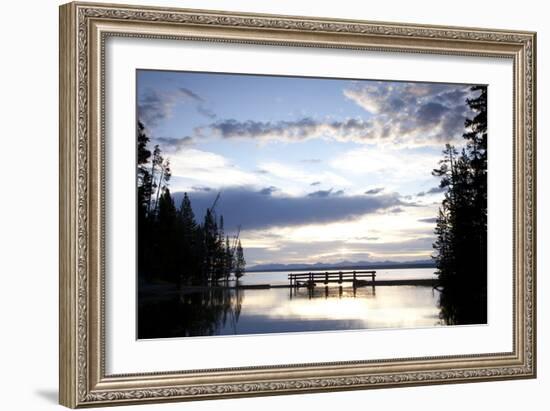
[
  {"x": 28, "y": 378},
  {"x": 126, "y": 355}
]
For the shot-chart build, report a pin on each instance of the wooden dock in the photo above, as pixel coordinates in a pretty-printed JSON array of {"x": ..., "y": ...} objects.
[{"x": 311, "y": 279}]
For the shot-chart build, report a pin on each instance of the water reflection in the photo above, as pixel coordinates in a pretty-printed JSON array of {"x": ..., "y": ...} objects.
[
  {"x": 189, "y": 312},
  {"x": 330, "y": 291},
  {"x": 226, "y": 311}
]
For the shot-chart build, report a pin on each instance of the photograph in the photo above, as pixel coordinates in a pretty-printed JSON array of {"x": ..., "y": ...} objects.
[
  {"x": 278, "y": 204},
  {"x": 258, "y": 203}
]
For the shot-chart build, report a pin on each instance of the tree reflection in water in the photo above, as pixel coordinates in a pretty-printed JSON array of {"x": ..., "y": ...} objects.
[{"x": 191, "y": 312}]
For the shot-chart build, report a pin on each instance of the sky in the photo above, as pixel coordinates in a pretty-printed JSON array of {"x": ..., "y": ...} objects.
[{"x": 311, "y": 169}]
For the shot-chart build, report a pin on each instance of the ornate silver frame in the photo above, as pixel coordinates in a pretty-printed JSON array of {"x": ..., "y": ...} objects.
[{"x": 83, "y": 30}]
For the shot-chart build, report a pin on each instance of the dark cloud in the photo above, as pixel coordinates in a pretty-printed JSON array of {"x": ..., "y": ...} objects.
[
  {"x": 433, "y": 190},
  {"x": 154, "y": 106},
  {"x": 191, "y": 95},
  {"x": 172, "y": 144},
  {"x": 410, "y": 114},
  {"x": 325, "y": 193},
  {"x": 315, "y": 183},
  {"x": 436, "y": 189},
  {"x": 206, "y": 112},
  {"x": 431, "y": 220},
  {"x": 268, "y": 190},
  {"x": 431, "y": 113},
  {"x": 427, "y": 112},
  {"x": 253, "y": 209},
  {"x": 373, "y": 191},
  {"x": 295, "y": 130}
]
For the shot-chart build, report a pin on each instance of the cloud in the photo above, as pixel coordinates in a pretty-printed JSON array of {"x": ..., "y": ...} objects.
[
  {"x": 386, "y": 165},
  {"x": 376, "y": 190},
  {"x": 418, "y": 248},
  {"x": 352, "y": 129},
  {"x": 315, "y": 183},
  {"x": 154, "y": 105},
  {"x": 255, "y": 209},
  {"x": 172, "y": 144},
  {"x": 268, "y": 190},
  {"x": 433, "y": 190},
  {"x": 325, "y": 193},
  {"x": 193, "y": 167},
  {"x": 403, "y": 114},
  {"x": 188, "y": 93},
  {"x": 431, "y": 220},
  {"x": 413, "y": 113},
  {"x": 290, "y": 173}
]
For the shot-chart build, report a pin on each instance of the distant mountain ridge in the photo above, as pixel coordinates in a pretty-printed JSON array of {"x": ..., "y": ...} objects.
[{"x": 342, "y": 265}]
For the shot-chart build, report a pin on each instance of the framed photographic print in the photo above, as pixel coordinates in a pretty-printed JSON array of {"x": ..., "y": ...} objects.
[{"x": 258, "y": 204}]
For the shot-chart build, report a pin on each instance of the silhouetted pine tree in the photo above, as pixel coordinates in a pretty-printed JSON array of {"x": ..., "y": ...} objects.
[
  {"x": 240, "y": 262},
  {"x": 461, "y": 229},
  {"x": 172, "y": 247}
]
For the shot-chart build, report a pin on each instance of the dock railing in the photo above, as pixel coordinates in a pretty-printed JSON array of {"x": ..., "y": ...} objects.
[{"x": 311, "y": 279}]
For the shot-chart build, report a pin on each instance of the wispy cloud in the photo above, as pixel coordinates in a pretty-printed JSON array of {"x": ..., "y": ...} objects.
[
  {"x": 326, "y": 193},
  {"x": 376, "y": 190},
  {"x": 172, "y": 144},
  {"x": 155, "y": 105},
  {"x": 433, "y": 190},
  {"x": 203, "y": 168},
  {"x": 288, "y": 130},
  {"x": 399, "y": 114}
]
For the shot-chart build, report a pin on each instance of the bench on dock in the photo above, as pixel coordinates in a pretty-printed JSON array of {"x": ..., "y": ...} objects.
[{"x": 311, "y": 279}]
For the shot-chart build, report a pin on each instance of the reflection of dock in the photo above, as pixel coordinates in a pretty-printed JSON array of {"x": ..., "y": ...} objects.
[
  {"x": 327, "y": 291},
  {"x": 311, "y": 279}
]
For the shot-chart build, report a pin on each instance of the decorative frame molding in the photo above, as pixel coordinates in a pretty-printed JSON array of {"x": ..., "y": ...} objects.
[{"x": 83, "y": 30}]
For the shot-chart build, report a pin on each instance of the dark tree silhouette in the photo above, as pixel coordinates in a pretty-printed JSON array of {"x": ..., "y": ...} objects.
[
  {"x": 175, "y": 252},
  {"x": 461, "y": 230},
  {"x": 240, "y": 262},
  {"x": 172, "y": 247}
]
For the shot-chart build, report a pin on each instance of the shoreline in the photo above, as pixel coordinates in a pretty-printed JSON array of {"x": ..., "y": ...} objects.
[
  {"x": 165, "y": 290},
  {"x": 378, "y": 283}
]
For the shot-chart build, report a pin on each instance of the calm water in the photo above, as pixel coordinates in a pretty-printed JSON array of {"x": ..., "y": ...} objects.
[
  {"x": 281, "y": 277},
  {"x": 279, "y": 310}
]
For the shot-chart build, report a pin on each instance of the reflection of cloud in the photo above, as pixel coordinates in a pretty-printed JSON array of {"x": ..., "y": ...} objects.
[{"x": 255, "y": 209}]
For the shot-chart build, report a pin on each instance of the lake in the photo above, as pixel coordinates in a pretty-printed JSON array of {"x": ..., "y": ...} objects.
[{"x": 232, "y": 311}]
